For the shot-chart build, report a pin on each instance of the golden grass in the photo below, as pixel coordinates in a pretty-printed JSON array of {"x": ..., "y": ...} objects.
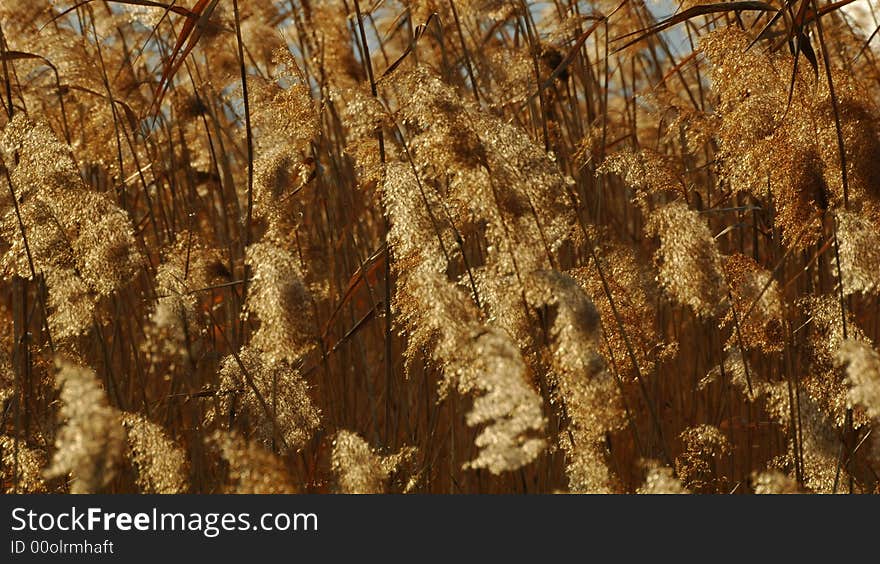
[{"x": 439, "y": 247}]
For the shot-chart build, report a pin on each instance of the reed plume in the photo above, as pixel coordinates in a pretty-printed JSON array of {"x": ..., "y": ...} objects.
[
  {"x": 78, "y": 238},
  {"x": 91, "y": 442},
  {"x": 252, "y": 469},
  {"x": 359, "y": 470},
  {"x": 476, "y": 359},
  {"x": 588, "y": 391},
  {"x": 22, "y": 467},
  {"x": 270, "y": 396},
  {"x": 161, "y": 464},
  {"x": 689, "y": 263},
  {"x": 661, "y": 480}
]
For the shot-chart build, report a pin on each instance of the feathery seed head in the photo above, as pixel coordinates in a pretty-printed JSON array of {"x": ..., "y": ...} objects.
[{"x": 91, "y": 441}]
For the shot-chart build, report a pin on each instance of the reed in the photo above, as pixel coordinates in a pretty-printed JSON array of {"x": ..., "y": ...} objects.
[{"x": 439, "y": 247}]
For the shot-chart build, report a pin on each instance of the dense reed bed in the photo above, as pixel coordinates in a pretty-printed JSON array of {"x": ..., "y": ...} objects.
[{"x": 440, "y": 246}]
